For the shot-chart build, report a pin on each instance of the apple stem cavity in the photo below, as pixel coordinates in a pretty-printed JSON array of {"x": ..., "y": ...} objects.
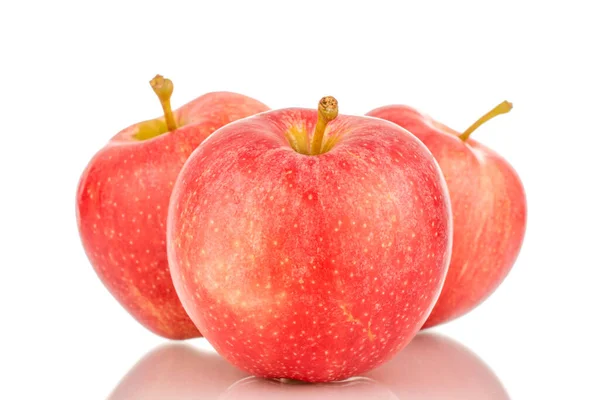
[
  {"x": 501, "y": 108},
  {"x": 326, "y": 112},
  {"x": 164, "y": 89}
]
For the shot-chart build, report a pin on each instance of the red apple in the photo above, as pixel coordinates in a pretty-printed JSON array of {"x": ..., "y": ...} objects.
[
  {"x": 123, "y": 197},
  {"x": 488, "y": 207},
  {"x": 433, "y": 366},
  {"x": 306, "y": 246}
]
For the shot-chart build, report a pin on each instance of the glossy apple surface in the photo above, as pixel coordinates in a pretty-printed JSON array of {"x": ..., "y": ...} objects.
[
  {"x": 122, "y": 202},
  {"x": 488, "y": 207},
  {"x": 317, "y": 266}
]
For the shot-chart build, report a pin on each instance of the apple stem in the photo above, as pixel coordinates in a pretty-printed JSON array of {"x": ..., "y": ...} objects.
[
  {"x": 164, "y": 89},
  {"x": 326, "y": 112},
  {"x": 501, "y": 108}
]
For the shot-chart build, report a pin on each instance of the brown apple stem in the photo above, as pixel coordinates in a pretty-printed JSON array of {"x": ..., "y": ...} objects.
[
  {"x": 164, "y": 89},
  {"x": 326, "y": 112},
  {"x": 501, "y": 108}
]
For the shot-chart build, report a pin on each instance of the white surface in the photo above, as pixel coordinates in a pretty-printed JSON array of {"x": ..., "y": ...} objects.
[{"x": 77, "y": 72}]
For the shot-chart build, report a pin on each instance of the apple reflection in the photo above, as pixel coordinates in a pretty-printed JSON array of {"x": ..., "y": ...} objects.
[
  {"x": 177, "y": 372},
  {"x": 435, "y": 367},
  {"x": 431, "y": 367},
  {"x": 264, "y": 389}
]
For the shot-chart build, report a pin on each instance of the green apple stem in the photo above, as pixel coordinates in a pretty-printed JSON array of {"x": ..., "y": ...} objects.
[
  {"x": 327, "y": 111},
  {"x": 164, "y": 89},
  {"x": 501, "y": 108}
]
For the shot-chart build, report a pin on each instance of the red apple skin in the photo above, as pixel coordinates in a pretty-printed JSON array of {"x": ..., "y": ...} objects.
[
  {"x": 314, "y": 268},
  {"x": 489, "y": 211},
  {"x": 122, "y": 201}
]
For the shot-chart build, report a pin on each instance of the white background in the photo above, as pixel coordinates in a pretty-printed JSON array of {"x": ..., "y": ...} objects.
[{"x": 75, "y": 73}]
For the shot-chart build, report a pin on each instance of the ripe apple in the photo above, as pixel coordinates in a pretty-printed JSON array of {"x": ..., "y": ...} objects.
[
  {"x": 433, "y": 366},
  {"x": 309, "y": 246},
  {"x": 488, "y": 207},
  {"x": 123, "y": 197}
]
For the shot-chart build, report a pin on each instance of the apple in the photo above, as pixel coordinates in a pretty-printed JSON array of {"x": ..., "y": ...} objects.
[
  {"x": 177, "y": 372},
  {"x": 306, "y": 245},
  {"x": 488, "y": 206},
  {"x": 434, "y": 366},
  {"x": 122, "y": 201}
]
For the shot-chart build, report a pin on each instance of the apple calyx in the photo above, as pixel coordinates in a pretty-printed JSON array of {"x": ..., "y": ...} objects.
[
  {"x": 501, "y": 108},
  {"x": 164, "y": 89},
  {"x": 327, "y": 111}
]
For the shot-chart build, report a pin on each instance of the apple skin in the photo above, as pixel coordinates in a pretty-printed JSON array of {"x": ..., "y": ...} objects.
[
  {"x": 488, "y": 206},
  {"x": 313, "y": 268},
  {"x": 122, "y": 201}
]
